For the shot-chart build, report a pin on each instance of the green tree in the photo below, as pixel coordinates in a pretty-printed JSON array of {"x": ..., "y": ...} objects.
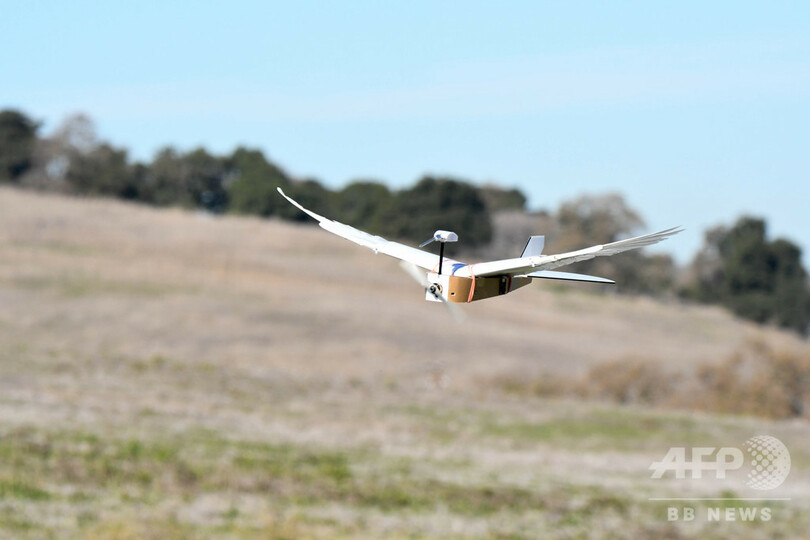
[
  {"x": 310, "y": 194},
  {"x": 440, "y": 203},
  {"x": 205, "y": 177},
  {"x": 102, "y": 171},
  {"x": 252, "y": 184},
  {"x": 757, "y": 279},
  {"x": 497, "y": 198},
  {"x": 364, "y": 204},
  {"x": 192, "y": 180},
  {"x": 18, "y": 135},
  {"x": 790, "y": 291}
]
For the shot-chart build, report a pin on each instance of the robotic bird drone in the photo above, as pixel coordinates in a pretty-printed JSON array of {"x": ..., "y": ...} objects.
[{"x": 448, "y": 280}]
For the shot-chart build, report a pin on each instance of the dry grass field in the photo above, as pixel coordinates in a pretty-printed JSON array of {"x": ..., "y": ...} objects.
[{"x": 166, "y": 374}]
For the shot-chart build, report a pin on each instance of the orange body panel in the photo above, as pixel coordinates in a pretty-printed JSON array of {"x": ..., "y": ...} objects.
[{"x": 460, "y": 287}]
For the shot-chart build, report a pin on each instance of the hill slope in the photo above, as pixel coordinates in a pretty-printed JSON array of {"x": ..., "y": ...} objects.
[{"x": 168, "y": 373}]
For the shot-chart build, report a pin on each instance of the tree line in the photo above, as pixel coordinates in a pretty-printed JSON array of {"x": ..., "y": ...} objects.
[
  {"x": 73, "y": 160},
  {"x": 738, "y": 267}
]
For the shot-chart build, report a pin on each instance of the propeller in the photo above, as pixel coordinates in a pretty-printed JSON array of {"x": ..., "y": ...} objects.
[
  {"x": 420, "y": 277},
  {"x": 413, "y": 271}
]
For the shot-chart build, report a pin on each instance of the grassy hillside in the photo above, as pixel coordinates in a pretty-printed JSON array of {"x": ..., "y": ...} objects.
[{"x": 168, "y": 374}]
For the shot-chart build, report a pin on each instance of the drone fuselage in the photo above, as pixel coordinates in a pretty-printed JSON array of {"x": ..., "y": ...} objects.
[{"x": 463, "y": 289}]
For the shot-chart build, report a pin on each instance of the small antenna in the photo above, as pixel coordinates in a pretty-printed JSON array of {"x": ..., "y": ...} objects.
[{"x": 442, "y": 237}]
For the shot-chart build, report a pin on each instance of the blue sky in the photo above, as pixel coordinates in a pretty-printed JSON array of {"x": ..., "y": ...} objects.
[{"x": 697, "y": 112}]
